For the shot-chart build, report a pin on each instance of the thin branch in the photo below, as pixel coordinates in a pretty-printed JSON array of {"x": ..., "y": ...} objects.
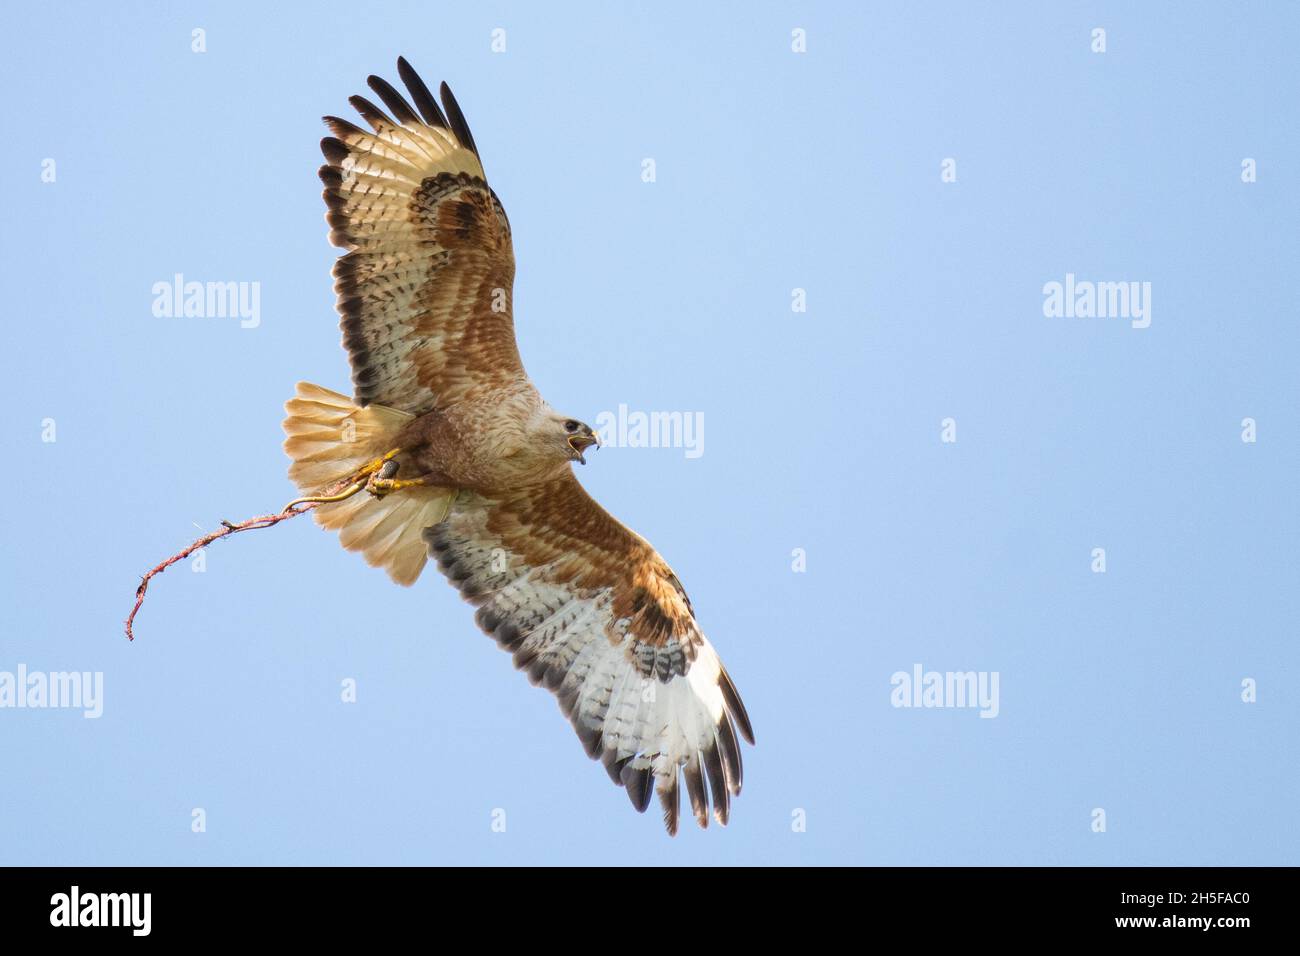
[
  {"x": 336, "y": 491},
  {"x": 227, "y": 529}
]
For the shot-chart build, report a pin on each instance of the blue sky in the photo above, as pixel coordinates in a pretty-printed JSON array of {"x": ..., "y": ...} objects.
[{"x": 774, "y": 171}]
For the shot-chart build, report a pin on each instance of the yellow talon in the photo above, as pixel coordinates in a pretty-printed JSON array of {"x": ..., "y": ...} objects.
[
  {"x": 371, "y": 471},
  {"x": 381, "y": 485}
]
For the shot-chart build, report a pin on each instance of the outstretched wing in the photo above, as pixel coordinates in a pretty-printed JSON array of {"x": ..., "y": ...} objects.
[
  {"x": 591, "y": 611},
  {"x": 425, "y": 290}
]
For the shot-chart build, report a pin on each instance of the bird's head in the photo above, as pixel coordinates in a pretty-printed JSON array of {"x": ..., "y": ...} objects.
[{"x": 573, "y": 437}]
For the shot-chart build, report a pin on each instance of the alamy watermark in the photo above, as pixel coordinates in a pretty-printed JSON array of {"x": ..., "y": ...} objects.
[
  {"x": 179, "y": 299},
  {"x": 946, "y": 689},
  {"x": 631, "y": 429},
  {"x": 75, "y": 690},
  {"x": 75, "y": 908},
  {"x": 1075, "y": 299}
]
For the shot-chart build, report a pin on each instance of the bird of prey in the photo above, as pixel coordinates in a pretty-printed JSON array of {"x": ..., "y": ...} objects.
[{"x": 460, "y": 459}]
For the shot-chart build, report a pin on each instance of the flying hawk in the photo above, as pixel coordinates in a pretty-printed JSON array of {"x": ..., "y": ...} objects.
[{"x": 463, "y": 461}]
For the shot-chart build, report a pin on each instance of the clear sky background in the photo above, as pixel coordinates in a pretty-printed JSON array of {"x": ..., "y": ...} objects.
[{"x": 775, "y": 170}]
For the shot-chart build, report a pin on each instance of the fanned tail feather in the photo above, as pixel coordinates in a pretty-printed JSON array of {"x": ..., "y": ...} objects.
[{"x": 329, "y": 437}]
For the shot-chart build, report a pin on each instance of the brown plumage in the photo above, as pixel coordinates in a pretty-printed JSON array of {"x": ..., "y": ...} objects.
[{"x": 485, "y": 479}]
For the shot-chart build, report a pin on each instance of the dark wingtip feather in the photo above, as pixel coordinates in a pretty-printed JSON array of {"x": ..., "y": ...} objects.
[
  {"x": 669, "y": 799},
  {"x": 638, "y": 784},
  {"x": 371, "y": 113},
  {"x": 333, "y": 150},
  {"x": 730, "y": 752},
  {"x": 457, "y": 118},
  {"x": 695, "y": 791},
  {"x": 717, "y": 785},
  {"x": 734, "y": 705},
  {"x": 341, "y": 127},
  {"x": 613, "y": 766},
  {"x": 394, "y": 100},
  {"x": 424, "y": 100},
  {"x": 590, "y": 737}
]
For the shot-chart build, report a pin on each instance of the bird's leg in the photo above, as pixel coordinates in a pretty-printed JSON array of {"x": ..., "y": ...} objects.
[
  {"x": 382, "y": 468},
  {"x": 382, "y": 483},
  {"x": 375, "y": 464}
]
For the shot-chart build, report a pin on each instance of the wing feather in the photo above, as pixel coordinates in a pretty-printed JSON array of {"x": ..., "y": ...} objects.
[
  {"x": 394, "y": 100},
  {"x": 429, "y": 109},
  {"x": 425, "y": 289},
  {"x": 590, "y": 611},
  {"x": 457, "y": 118}
]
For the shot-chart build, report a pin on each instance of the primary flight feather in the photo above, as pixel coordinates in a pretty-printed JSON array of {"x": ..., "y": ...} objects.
[{"x": 463, "y": 461}]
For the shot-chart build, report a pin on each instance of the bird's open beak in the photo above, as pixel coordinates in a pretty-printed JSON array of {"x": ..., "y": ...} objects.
[{"x": 579, "y": 443}]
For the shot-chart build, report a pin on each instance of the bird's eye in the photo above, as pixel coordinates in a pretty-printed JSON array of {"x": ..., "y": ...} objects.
[{"x": 570, "y": 426}]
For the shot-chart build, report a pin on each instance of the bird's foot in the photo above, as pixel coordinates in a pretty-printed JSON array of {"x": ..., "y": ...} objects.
[
  {"x": 383, "y": 483},
  {"x": 378, "y": 470}
]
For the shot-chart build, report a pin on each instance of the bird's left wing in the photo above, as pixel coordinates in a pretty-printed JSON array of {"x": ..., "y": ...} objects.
[
  {"x": 592, "y": 612},
  {"x": 425, "y": 290}
]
